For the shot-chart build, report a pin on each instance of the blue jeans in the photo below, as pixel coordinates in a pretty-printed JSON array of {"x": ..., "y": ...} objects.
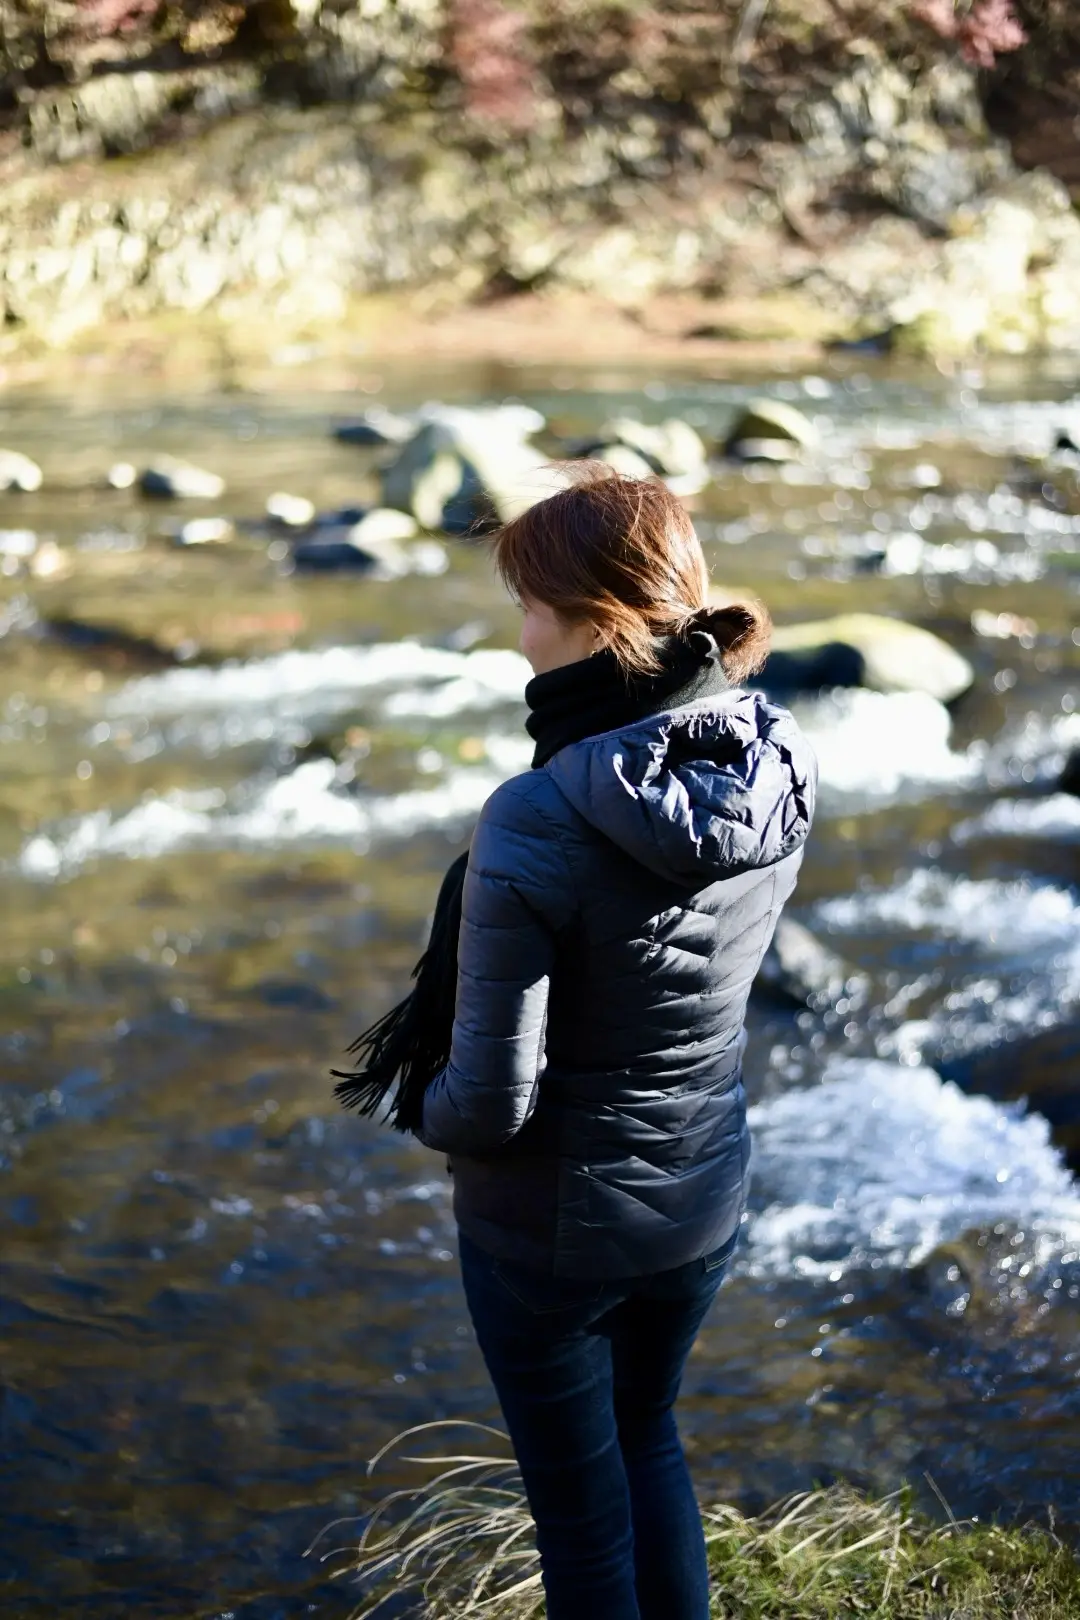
[{"x": 587, "y": 1374}]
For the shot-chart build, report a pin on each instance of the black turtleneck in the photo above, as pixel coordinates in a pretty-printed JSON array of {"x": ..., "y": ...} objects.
[{"x": 595, "y": 694}]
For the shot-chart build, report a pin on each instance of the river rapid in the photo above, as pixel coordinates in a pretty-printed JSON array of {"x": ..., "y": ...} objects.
[{"x": 220, "y": 840}]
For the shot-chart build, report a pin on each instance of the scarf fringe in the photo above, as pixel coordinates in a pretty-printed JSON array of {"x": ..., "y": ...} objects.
[{"x": 411, "y": 1043}]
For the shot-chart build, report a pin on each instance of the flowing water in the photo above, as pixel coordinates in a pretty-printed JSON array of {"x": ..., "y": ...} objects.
[{"x": 220, "y": 1295}]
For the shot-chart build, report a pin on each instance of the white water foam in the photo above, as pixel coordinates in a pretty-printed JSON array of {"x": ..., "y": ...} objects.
[
  {"x": 302, "y": 807},
  {"x": 330, "y": 679},
  {"x": 1023, "y": 944},
  {"x": 859, "y": 737},
  {"x": 883, "y": 745},
  {"x": 1032, "y": 751},
  {"x": 1056, "y": 817},
  {"x": 882, "y": 1163},
  {"x": 1019, "y": 916}
]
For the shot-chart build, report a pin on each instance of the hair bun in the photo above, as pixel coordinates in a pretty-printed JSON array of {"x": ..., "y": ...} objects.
[{"x": 742, "y": 632}]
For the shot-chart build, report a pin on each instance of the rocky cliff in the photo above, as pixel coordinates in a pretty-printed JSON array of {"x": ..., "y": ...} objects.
[{"x": 845, "y": 163}]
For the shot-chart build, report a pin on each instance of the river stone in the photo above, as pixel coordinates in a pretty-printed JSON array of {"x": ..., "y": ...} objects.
[
  {"x": 865, "y": 649},
  {"x": 369, "y": 543},
  {"x": 1070, "y": 775},
  {"x": 770, "y": 430},
  {"x": 463, "y": 470},
  {"x": 799, "y": 970},
  {"x": 376, "y": 426},
  {"x": 625, "y": 460},
  {"x": 205, "y": 531},
  {"x": 111, "y": 645},
  {"x": 293, "y": 511},
  {"x": 170, "y": 479},
  {"x": 18, "y": 472},
  {"x": 1041, "y": 1067},
  {"x": 674, "y": 447}
]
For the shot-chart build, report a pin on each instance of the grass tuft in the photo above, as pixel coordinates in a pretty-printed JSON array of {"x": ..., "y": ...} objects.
[{"x": 459, "y": 1544}]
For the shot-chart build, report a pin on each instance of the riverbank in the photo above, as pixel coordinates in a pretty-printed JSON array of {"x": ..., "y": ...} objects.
[
  {"x": 462, "y": 1545},
  {"x": 203, "y": 352},
  {"x": 849, "y": 177}
]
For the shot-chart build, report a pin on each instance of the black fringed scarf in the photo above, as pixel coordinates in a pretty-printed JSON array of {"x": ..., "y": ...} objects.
[{"x": 411, "y": 1043}]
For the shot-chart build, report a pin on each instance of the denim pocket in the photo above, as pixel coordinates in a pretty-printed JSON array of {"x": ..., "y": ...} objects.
[{"x": 543, "y": 1294}]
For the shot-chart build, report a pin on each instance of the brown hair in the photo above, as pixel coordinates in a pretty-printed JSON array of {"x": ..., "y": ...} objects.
[{"x": 622, "y": 553}]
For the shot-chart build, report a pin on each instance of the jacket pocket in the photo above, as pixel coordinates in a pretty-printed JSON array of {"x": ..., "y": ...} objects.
[{"x": 543, "y": 1295}]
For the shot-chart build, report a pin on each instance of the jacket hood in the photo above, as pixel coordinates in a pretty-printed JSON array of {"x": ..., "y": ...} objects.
[{"x": 698, "y": 793}]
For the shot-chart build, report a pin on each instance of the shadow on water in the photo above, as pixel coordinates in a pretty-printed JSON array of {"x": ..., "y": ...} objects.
[{"x": 219, "y": 1295}]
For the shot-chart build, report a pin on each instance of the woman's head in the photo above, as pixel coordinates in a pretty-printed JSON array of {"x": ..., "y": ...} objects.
[{"x": 614, "y": 562}]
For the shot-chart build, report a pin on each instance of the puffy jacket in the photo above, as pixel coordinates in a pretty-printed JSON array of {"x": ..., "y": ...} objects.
[{"x": 617, "y": 906}]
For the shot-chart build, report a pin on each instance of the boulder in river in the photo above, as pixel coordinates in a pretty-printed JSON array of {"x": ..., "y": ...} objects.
[
  {"x": 204, "y": 531},
  {"x": 355, "y": 541},
  {"x": 770, "y": 430},
  {"x": 623, "y": 459},
  {"x": 466, "y": 469},
  {"x": 291, "y": 511},
  {"x": 675, "y": 449},
  {"x": 112, "y": 646},
  {"x": 1041, "y": 1067},
  {"x": 1069, "y": 781},
  {"x": 169, "y": 479},
  {"x": 865, "y": 649},
  {"x": 18, "y": 472},
  {"x": 375, "y": 426},
  {"x": 800, "y": 971}
]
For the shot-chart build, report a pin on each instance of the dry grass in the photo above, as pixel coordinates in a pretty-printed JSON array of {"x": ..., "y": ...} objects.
[{"x": 460, "y": 1544}]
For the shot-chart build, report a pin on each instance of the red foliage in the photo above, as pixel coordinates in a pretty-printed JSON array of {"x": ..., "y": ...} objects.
[
  {"x": 102, "y": 17},
  {"x": 989, "y": 29},
  {"x": 488, "y": 48}
]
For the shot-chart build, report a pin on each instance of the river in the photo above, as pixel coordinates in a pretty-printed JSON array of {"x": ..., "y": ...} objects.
[{"x": 220, "y": 1294}]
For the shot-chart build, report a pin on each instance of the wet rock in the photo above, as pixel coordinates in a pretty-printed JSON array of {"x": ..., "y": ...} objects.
[
  {"x": 865, "y": 649},
  {"x": 357, "y": 541},
  {"x": 1069, "y": 781},
  {"x": 432, "y": 482},
  {"x": 377, "y": 426},
  {"x": 621, "y": 458},
  {"x": 1041, "y": 1068},
  {"x": 113, "y": 647},
  {"x": 291, "y": 511},
  {"x": 18, "y": 472},
  {"x": 169, "y": 479},
  {"x": 770, "y": 430},
  {"x": 674, "y": 447},
  {"x": 874, "y": 343},
  {"x": 798, "y": 970},
  {"x": 205, "y": 531},
  {"x": 465, "y": 470}
]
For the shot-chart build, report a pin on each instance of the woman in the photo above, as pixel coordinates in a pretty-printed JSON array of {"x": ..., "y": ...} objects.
[{"x": 618, "y": 900}]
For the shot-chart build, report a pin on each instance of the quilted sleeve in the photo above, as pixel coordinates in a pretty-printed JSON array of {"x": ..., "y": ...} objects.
[{"x": 517, "y": 896}]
